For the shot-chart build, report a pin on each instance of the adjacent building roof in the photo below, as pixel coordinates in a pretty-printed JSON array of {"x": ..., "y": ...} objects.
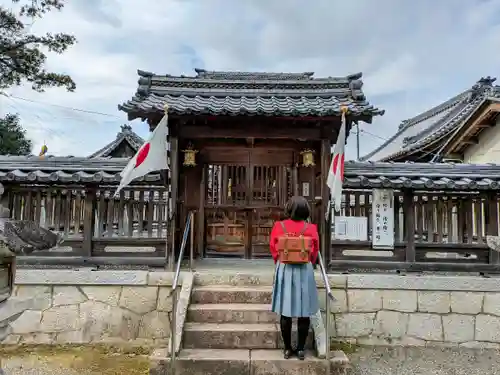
[
  {"x": 422, "y": 176},
  {"x": 125, "y": 140},
  {"x": 426, "y": 176},
  {"x": 436, "y": 124},
  {"x": 248, "y": 93},
  {"x": 52, "y": 169}
]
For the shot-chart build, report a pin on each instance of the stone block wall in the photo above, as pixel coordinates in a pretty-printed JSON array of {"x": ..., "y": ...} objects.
[
  {"x": 416, "y": 310},
  {"x": 85, "y": 306}
]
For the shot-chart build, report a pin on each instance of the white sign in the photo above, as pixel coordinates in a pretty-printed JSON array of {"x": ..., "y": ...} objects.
[
  {"x": 350, "y": 228},
  {"x": 383, "y": 219},
  {"x": 305, "y": 189}
]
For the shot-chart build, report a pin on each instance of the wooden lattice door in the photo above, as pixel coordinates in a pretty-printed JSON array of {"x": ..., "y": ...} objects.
[{"x": 242, "y": 203}]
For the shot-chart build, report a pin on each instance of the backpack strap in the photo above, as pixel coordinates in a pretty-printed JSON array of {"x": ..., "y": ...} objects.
[
  {"x": 283, "y": 226},
  {"x": 286, "y": 237},
  {"x": 303, "y": 229}
]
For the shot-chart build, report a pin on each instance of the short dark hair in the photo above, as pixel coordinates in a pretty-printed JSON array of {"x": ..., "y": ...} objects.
[{"x": 297, "y": 208}]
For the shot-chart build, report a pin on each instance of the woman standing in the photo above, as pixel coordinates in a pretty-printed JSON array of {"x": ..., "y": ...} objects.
[{"x": 295, "y": 294}]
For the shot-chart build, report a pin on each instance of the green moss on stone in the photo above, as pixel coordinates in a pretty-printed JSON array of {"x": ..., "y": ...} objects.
[
  {"x": 95, "y": 359},
  {"x": 346, "y": 347}
]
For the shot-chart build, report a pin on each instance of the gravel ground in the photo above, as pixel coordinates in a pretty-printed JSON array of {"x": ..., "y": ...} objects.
[
  {"x": 366, "y": 361},
  {"x": 424, "y": 361},
  {"x": 39, "y": 360}
]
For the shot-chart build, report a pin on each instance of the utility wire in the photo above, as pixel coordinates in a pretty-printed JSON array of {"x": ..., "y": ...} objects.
[
  {"x": 35, "y": 118},
  {"x": 359, "y": 130},
  {"x": 435, "y": 155},
  {"x": 61, "y": 106}
]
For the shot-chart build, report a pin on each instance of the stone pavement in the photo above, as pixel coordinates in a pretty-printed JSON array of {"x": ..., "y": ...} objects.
[{"x": 424, "y": 361}]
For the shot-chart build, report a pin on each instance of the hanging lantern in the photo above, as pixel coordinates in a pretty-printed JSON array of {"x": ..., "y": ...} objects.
[
  {"x": 308, "y": 158},
  {"x": 189, "y": 156}
]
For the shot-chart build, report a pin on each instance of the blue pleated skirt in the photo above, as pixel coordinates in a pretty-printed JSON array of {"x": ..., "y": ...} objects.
[{"x": 295, "y": 293}]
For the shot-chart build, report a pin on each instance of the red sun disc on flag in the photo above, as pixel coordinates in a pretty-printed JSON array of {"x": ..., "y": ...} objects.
[
  {"x": 142, "y": 154},
  {"x": 338, "y": 162}
]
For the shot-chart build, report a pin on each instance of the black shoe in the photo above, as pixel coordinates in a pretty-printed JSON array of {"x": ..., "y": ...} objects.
[
  {"x": 287, "y": 353},
  {"x": 301, "y": 355}
]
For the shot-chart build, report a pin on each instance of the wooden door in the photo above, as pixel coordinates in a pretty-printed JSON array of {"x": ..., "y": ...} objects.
[{"x": 242, "y": 202}]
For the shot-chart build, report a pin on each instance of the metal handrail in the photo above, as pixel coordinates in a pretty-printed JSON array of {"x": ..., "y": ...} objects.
[
  {"x": 329, "y": 298},
  {"x": 188, "y": 229}
]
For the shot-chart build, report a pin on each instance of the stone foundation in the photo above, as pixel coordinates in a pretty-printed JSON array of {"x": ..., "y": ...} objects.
[
  {"x": 85, "y": 306},
  {"x": 416, "y": 310}
]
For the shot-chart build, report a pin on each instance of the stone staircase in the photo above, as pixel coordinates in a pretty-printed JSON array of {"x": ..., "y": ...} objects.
[{"x": 230, "y": 330}]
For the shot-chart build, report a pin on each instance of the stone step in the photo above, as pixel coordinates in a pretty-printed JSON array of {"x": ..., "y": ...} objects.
[
  {"x": 235, "y": 279},
  {"x": 231, "y": 294},
  {"x": 231, "y": 312},
  {"x": 238, "y": 361},
  {"x": 236, "y": 336}
]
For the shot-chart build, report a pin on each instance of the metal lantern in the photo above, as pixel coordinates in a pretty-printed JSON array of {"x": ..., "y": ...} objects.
[
  {"x": 308, "y": 158},
  {"x": 189, "y": 156}
]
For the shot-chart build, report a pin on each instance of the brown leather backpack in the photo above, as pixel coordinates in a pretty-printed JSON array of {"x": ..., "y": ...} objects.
[{"x": 294, "y": 249}]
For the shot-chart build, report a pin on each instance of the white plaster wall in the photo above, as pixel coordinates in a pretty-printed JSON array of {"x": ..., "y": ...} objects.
[{"x": 488, "y": 149}]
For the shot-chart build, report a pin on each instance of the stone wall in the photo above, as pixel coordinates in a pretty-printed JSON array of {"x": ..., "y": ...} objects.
[
  {"x": 85, "y": 306},
  {"x": 416, "y": 310}
]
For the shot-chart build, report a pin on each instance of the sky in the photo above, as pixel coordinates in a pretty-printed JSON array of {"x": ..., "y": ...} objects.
[{"x": 413, "y": 55}]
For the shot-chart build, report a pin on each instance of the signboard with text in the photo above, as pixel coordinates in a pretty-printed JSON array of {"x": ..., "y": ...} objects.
[{"x": 383, "y": 219}]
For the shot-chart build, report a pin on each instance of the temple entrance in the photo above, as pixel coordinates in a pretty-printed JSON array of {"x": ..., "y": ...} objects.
[{"x": 242, "y": 202}]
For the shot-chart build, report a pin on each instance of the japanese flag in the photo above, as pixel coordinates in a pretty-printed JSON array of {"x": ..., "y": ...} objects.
[
  {"x": 336, "y": 172},
  {"x": 152, "y": 156}
]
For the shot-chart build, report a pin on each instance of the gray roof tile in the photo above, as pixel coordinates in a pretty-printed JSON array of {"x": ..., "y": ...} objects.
[
  {"x": 364, "y": 175},
  {"x": 68, "y": 169},
  {"x": 436, "y": 123},
  {"x": 249, "y": 93},
  {"x": 426, "y": 176},
  {"x": 125, "y": 135}
]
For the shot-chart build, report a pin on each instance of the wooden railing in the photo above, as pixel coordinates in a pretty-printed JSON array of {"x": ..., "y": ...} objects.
[
  {"x": 132, "y": 227},
  {"x": 432, "y": 231}
]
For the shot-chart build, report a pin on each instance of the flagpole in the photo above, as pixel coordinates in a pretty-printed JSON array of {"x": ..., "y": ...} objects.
[
  {"x": 168, "y": 259},
  {"x": 329, "y": 214}
]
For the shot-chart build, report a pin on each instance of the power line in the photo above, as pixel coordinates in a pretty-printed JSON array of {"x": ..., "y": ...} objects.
[
  {"x": 435, "y": 155},
  {"x": 60, "y": 106},
  {"x": 40, "y": 122}
]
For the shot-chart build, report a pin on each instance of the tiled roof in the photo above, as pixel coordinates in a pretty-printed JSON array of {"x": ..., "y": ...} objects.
[
  {"x": 249, "y": 93},
  {"x": 425, "y": 176},
  {"x": 442, "y": 176},
  {"x": 31, "y": 169},
  {"x": 436, "y": 123},
  {"x": 125, "y": 135}
]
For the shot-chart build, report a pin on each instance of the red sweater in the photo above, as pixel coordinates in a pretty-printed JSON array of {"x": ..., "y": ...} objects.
[{"x": 294, "y": 227}]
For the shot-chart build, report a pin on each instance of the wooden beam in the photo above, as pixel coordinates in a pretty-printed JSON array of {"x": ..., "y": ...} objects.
[
  {"x": 174, "y": 181},
  {"x": 485, "y": 125},
  {"x": 409, "y": 225},
  {"x": 471, "y": 141},
  {"x": 256, "y": 131},
  {"x": 325, "y": 195},
  {"x": 480, "y": 118}
]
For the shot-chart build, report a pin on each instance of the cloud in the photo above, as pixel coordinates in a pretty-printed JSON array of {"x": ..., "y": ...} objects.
[{"x": 413, "y": 55}]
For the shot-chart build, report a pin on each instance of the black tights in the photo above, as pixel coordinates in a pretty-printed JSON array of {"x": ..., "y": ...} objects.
[{"x": 303, "y": 324}]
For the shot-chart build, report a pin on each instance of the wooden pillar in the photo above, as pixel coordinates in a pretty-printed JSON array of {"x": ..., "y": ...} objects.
[
  {"x": 89, "y": 220},
  {"x": 200, "y": 230},
  {"x": 409, "y": 224},
  {"x": 325, "y": 226},
  {"x": 491, "y": 218},
  {"x": 174, "y": 187},
  {"x": 295, "y": 180}
]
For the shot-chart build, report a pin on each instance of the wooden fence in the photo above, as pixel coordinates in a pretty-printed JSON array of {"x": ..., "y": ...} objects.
[
  {"x": 128, "y": 229},
  {"x": 432, "y": 231}
]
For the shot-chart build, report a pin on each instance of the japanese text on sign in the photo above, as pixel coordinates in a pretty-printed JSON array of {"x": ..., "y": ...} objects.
[{"x": 383, "y": 219}]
